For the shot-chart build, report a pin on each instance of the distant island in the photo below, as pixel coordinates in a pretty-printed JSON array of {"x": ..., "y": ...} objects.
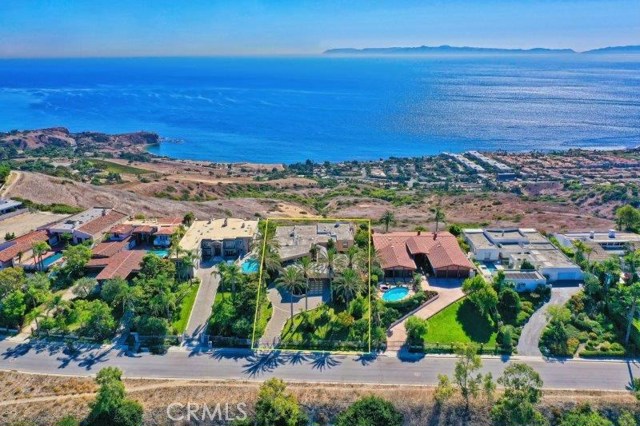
[{"x": 446, "y": 49}]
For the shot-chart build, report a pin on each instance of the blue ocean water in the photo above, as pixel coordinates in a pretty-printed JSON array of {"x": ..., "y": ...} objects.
[{"x": 287, "y": 109}]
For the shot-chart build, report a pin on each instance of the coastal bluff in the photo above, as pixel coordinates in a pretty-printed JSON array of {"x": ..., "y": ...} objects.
[{"x": 62, "y": 138}]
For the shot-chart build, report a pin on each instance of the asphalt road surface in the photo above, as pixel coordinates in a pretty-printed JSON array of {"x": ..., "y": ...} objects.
[{"x": 231, "y": 364}]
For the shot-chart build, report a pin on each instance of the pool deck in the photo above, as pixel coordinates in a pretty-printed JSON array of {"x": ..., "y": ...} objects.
[{"x": 449, "y": 291}]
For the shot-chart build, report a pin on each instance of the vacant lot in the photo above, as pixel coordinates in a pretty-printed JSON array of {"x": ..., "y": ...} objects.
[
  {"x": 42, "y": 400},
  {"x": 26, "y": 222}
]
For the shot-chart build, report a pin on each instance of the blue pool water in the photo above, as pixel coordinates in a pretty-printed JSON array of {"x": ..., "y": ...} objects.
[
  {"x": 160, "y": 252},
  {"x": 395, "y": 294},
  {"x": 490, "y": 266},
  {"x": 285, "y": 109},
  {"x": 250, "y": 266},
  {"x": 51, "y": 259}
]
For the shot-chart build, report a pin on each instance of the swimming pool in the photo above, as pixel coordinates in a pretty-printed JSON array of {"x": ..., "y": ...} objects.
[
  {"x": 250, "y": 266},
  {"x": 46, "y": 262},
  {"x": 395, "y": 294},
  {"x": 160, "y": 252}
]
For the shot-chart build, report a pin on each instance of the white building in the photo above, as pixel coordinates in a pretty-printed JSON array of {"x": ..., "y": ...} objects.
[
  {"x": 605, "y": 243},
  {"x": 512, "y": 246}
]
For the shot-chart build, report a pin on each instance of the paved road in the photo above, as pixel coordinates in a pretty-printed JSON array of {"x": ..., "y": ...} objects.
[
  {"x": 201, "y": 310},
  {"x": 296, "y": 367},
  {"x": 532, "y": 331}
]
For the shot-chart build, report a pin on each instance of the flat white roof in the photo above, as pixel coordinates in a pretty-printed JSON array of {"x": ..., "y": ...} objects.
[{"x": 216, "y": 230}]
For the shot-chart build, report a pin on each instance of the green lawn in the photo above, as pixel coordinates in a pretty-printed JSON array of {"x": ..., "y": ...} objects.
[
  {"x": 119, "y": 168},
  {"x": 186, "y": 305},
  {"x": 460, "y": 323}
]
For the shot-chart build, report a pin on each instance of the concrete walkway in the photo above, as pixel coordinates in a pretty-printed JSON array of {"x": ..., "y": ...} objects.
[
  {"x": 449, "y": 291},
  {"x": 280, "y": 300},
  {"x": 532, "y": 330},
  {"x": 201, "y": 311}
]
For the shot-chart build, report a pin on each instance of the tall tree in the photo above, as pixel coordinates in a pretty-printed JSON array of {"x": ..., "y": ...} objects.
[
  {"x": 348, "y": 285},
  {"x": 522, "y": 391},
  {"x": 469, "y": 362},
  {"x": 39, "y": 248},
  {"x": 632, "y": 293},
  {"x": 307, "y": 267},
  {"x": 439, "y": 217},
  {"x": 388, "y": 218},
  {"x": 330, "y": 261},
  {"x": 291, "y": 280},
  {"x": 231, "y": 276}
]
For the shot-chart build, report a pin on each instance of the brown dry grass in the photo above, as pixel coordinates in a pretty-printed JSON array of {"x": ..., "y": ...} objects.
[{"x": 325, "y": 401}]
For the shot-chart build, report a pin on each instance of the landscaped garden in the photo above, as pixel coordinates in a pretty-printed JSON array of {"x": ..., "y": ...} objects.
[
  {"x": 601, "y": 320},
  {"x": 491, "y": 316}
]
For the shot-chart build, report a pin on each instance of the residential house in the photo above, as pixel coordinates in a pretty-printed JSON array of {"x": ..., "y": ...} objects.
[
  {"x": 603, "y": 244},
  {"x": 295, "y": 241},
  {"x": 123, "y": 265},
  {"x": 215, "y": 238},
  {"x": 90, "y": 225},
  {"x": 401, "y": 254},
  {"x": 514, "y": 247},
  {"x": 19, "y": 249}
]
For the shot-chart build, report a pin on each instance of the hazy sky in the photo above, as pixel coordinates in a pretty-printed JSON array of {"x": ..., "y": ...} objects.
[{"x": 38, "y": 28}]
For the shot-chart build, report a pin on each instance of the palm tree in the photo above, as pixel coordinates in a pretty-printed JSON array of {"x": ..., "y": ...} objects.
[
  {"x": 330, "y": 260},
  {"x": 188, "y": 261},
  {"x": 313, "y": 251},
  {"x": 291, "y": 280},
  {"x": 39, "y": 248},
  {"x": 175, "y": 244},
  {"x": 231, "y": 275},
  {"x": 439, "y": 217},
  {"x": 348, "y": 285},
  {"x": 307, "y": 267},
  {"x": 271, "y": 263},
  {"x": 128, "y": 297},
  {"x": 631, "y": 261},
  {"x": 387, "y": 218}
]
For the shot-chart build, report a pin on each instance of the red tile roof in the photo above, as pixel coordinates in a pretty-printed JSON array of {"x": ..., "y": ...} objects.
[
  {"x": 123, "y": 228},
  {"x": 174, "y": 221},
  {"x": 395, "y": 250},
  {"x": 166, "y": 230},
  {"x": 22, "y": 244},
  {"x": 122, "y": 264},
  {"x": 102, "y": 223},
  {"x": 109, "y": 248},
  {"x": 144, "y": 229}
]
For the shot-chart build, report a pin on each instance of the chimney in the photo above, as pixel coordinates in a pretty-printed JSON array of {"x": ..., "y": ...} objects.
[
  {"x": 592, "y": 235},
  {"x": 435, "y": 236},
  {"x": 419, "y": 232},
  {"x": 104, "y": 212},
  {"x": 612, "y": 233}
]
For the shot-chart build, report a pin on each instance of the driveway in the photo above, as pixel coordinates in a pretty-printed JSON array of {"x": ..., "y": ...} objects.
[
  {"x": 532, "y": 330},
  {"x": 280, "y": 300},
  {"x": 201, "y": 310},
  {"x": 449, "y": 291}
]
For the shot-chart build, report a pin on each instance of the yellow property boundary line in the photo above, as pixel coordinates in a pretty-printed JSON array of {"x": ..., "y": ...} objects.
[{"x": 260, "y": 275}]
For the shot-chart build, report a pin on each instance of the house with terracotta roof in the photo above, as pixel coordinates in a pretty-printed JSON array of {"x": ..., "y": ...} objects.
[
  {"x": 90, "y": 225},
  {"x": 20, "y": 249},
  {"x": 121, "y": 265},
  {"x": 401, "y": 254}
]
